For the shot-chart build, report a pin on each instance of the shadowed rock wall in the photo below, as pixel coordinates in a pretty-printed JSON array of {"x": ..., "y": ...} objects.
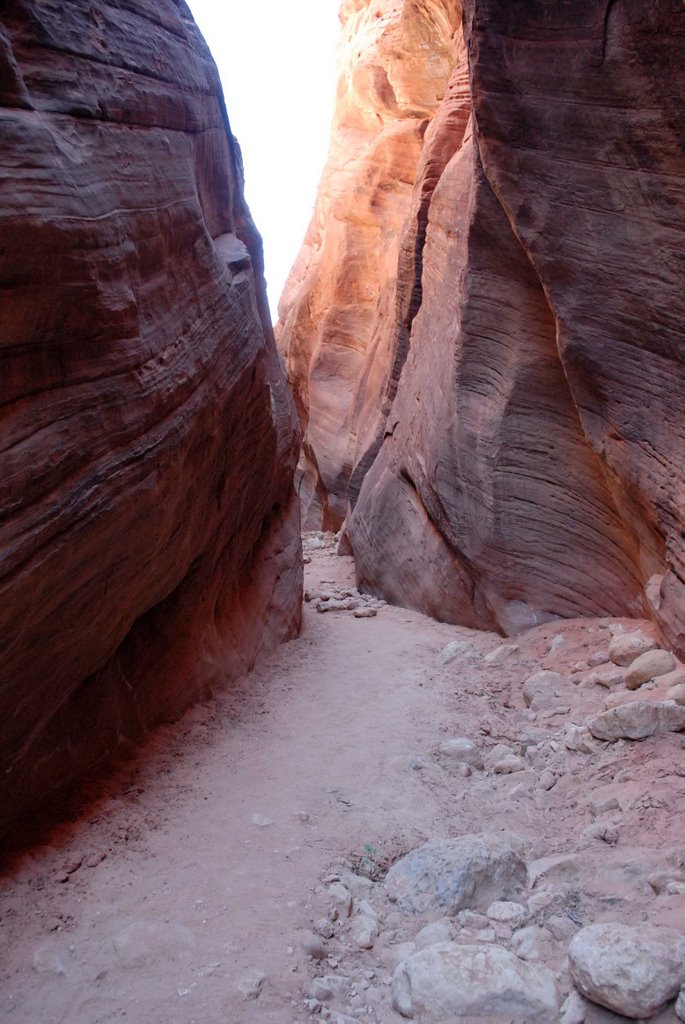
[
  {"x": 149, "y": 534},
  {"x": 519, "y": 446}
]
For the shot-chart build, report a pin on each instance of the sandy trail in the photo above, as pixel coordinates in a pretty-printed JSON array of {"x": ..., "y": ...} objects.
[
  {"x": 317, "y": 742},
  {"x": 201, "y": 867}
]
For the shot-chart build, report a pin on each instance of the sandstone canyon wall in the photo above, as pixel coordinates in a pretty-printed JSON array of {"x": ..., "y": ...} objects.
[
  {"x": 519, "y": 432},
  {"x": 148, "y": 525}
]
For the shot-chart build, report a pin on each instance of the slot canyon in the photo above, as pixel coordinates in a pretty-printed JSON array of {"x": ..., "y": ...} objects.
[{"x": 342, "y": 667}]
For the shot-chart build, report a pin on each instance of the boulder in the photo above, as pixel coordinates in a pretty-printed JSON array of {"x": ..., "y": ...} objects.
[
  {"x": 463, "y": 751},
  {"x": 647, "y": 666},
  {"x": 447, "y": 875},
  {"x": 633, "y": 971},
  {"x": 626, "y": 647},
  {"x": 448, "y": 981},
  {"x": 545, "y": 689},
  {"x": 637, "y": 720}
]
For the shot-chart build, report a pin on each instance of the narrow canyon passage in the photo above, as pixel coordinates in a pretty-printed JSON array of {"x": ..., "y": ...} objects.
[{"x": 193, "y": 891}]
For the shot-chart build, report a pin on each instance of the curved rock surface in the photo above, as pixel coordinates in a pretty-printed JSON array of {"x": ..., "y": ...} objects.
[
  {"x": 519, "y": 437},
  {"x": 149, "y": 534},
  {"x": 395, "y": 61}
]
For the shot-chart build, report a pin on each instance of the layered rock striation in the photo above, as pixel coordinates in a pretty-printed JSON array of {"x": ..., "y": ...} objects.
[
  {"x": 519, "y": 434},
  {"x": 149, "y": 532}
]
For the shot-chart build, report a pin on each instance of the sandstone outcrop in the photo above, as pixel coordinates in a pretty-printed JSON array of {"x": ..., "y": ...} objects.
[
  {"x": 149, "y": 531},
  {"x": 396, "y": 57},
  {"x": 519, "y": 440}
]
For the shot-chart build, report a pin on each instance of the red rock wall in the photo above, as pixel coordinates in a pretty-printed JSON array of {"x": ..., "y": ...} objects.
[
  {"x": 395, "y": 60},
  {"x": 519, "y": 433},
  {"x": 149, "y": 534}
]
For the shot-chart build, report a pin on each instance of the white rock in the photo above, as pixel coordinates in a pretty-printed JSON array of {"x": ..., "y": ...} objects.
[
  {"x": 599, "y": 658},
  {"x": 548, "y": 780},
  {"x": 496, "y": 754},
  {"x": 578, "y": 738},
  {"x": 648, "y": 666},
  {"x": 630, "y": 970},
  {"x": 457, "y": 649},
  {"x": 574, "y": 1010},
  {"x": 365, "y": 613},
  {"x": 626, "y": 647},
  {"x": 509, "y": 764},
  {"x": 680, "y": 1005},
  {"x": 364, "y": 931},
  {"x": 501, "y": 654},
  {"x": 463, "y": 750},
  {"x": 507, "y": 912},
  {"x": 251, "y": 983},
  {"x": 340, "y": 898},
  {"x": 531, "y": 943},
  {"x": 556, "y": 642},
  {"x": 313, "y": 946},
  {"x": 447, "y": 875},
  {"x": 448, "y": 980},
  {"x": 438, "y": 931},
  {"x": 324, "y": 928},
  {"x": 544, "y": 689},
  {"x": 676, "y": 693},
  {"x": 606, "y": 677},
  {"x": 637, "y": 720}
]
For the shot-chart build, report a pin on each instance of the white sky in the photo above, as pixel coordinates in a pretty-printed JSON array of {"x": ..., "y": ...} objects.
[{"x": 276, "y": 59}]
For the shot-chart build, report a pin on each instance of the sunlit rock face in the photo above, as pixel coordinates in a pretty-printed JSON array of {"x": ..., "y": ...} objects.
[
  {"x": 149, "y": 530},
  {"x": 519, "y": 425},
  {"x": 395, "y": 61}
]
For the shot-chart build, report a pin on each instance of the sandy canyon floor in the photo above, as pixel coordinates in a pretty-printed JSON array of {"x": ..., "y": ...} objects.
[{"x": 210, "y": 883}]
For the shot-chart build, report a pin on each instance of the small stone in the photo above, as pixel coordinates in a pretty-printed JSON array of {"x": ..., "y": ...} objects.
[
  {"x": 556, "y": 642},
  {"x": 680, "y": 1005},
  {"x": 324, "y": 928},
  {"x": 438, "y": 931},
  {"x": 544, "y": 689},
  {"x": 364, "y": 931},
  {"x": 507, "y": 912},
  {"x": 633, "y": 971},
  {"x": 676, "y": 693},
  {"x": 365, "y": 613},
  {"x": 509, "y": 764},
  {"x": 463, "y": 750},
  {"x": 574, "y": 1009},
  {"x": 648, "y": 666},
  {"x": 531, "y": 943},
  {"x": 547, "y": 780},
  {"x": 599, "y": 658},
  {"x": 456, "y": 649},
  {"x": 603, "y": 831},
  {"x": 251, "y": 984},
  {"x": 496, "y": 754},
  {"x": 501, "y": 654},
  {"x": 341, "y": 898},
  {"x": 320, "y": 990},
  {"x": 626, "y": 647},
  {"x": 607, "y": 677}
]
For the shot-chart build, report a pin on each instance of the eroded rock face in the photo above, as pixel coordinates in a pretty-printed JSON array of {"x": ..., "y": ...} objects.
[
  {"x": 149, "y": 533},
  {"x": 395, "y": 61},
  {"x": 519, "y": 440}
]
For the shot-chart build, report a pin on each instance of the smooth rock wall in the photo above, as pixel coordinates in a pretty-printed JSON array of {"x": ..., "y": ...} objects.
[
  {"x": 518, "y": 434},
  {"x": 149, "y": 531}
]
